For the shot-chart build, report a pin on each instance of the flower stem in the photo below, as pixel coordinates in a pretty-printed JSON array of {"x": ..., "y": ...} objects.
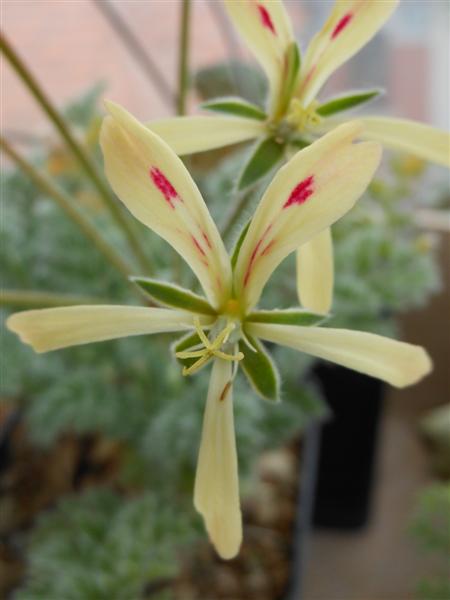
[
  {"x": 183, "y": 57},
  {"x": 236, "y": 212},
  {"x": 67, "y": 205},
  {"x": 36, "y": 299},
  {"x": 86, "y": 162}
]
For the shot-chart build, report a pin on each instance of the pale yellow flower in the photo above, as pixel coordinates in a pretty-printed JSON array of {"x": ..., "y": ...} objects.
[
  {"x": 295, "y": 115},
  {"x": 314, "y": 189}
]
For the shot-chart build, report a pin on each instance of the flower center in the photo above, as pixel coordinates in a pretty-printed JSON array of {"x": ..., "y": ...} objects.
[
  {"x": 303, "y": 117},
  {"x": 209, "y": 348}
]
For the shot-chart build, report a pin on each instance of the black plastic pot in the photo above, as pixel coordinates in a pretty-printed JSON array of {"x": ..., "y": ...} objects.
[{"x": 348, "y": 447}]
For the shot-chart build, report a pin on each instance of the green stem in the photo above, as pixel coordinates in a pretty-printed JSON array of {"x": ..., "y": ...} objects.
[
  {"x": 66, "y": 204},
  {"x": 236, "y": 212},
  {"x": 183, "y": 57},
  {"x": 35, "y": 299},
  {"x": 77, "y": 149}
]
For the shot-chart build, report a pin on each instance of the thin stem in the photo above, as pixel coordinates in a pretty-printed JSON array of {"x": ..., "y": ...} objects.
[
  {"x": 36, "y": 299},
  {"x": 66, "y": 204},
  {"x": 79, "y": 152},
  {"x": 137, "y": 50},
  {"x": 183, "y": 57},
  {"x": 236, "y": 212}
]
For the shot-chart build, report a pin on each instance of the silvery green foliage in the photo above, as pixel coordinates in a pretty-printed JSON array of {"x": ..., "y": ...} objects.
[
  {"x": 100, "y": 545},
  {"x": 431, "y": 526}
]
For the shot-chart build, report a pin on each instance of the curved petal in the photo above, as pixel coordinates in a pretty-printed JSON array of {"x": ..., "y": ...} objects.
[
  {"x": 53, "y": 328},
  {"x": 266, "y": 28},
  {"x": 398, "y": 363},
  {"x": 187, "y": 135},
  {"x": 422, "y": 140},
  {"x": 312, "y": 191},
  {"x": 315, "y": 273},
  {"x": 350, "y": 26},
  {"x": 157, "y": 189},
  {"x": 216, "y": 494}
]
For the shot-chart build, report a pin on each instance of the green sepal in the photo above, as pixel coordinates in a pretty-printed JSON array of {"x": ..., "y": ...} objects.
[
  {"x": 299, "y": 142},
  {"x": 168, "y": 294},
  {"x": 341, "y": 103},
  {"x": 187, "y": 341},
  {"x": 260, "y": 369},
  {"x": 293, "y": 64},
  {"x": 238, "y": 244},
  {"x": 237, "y": 107},
  {"x": 290, "y": 78},
  {"x": 266, "y": 155},
  {"x": 289, "y": 316}
]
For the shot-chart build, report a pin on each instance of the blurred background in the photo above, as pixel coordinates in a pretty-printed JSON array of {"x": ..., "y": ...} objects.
[{"x": 99, "y": 443}]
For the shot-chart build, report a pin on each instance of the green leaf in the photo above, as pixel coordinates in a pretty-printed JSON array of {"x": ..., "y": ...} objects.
[
  {"x": 293, "y": 63},
  {"x": 346, "y": 102},
  {"x": 187, "y": 341},
  {"x": 235, "y": 106},
  {"x": 266, "y": 155},
  {"x": 260, "y": 370},
  {"x": 172, "y": 295},
  {"x": 238, "y": 244},
  {"x": 290, "y": 316},
  {"x": 299, "y": 142}
]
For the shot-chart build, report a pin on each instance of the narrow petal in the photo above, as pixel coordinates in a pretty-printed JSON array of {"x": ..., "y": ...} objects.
[
  {"x": 398, "y": 363},
  {"x": 266, "y": 28},
  {"x": 315, "y": 273},
  {"x": 422, "y": 140},
  {"x": 312, "y": 191},
  {"x": 53, "y": 328},
  {"x": 187, "y": 135},
  {"x": 216, "y": 494},
  {"x": 155, "y": 186},
  {"x": 350, "y": 26}
]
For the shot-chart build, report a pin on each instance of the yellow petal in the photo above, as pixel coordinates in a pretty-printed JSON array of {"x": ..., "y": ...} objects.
[
  {"x": 398, "y": 363},
  {"x": 54, "y": 328},
  {"x": 216, "y": 494},
  {"x": 350, "y": 26},
  {"x": 314, "y": 189},
  {"x": 422, "y": 140},
  {"x": 156, "y": 188},
  {"x": 266, "y": 28},
  {"x": 315, "y": 273},
  {"x": 187, "y": 135}
]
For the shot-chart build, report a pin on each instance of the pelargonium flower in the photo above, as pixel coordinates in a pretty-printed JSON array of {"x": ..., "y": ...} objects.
[
  {"x": 314, "y": 189},
  {"x": 294, "y": 117}
]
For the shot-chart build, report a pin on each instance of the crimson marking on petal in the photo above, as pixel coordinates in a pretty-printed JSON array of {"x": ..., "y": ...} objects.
[
  {"x": 254, "y": 253},
  {"x": 164, "y": 186},
  {"x": 301, "y": 192},
  {"x": 207, "y": 240},
  {"x": 266, "y": 19},
  {"x": 200, "y": 250},
  {"x": 341, "y": 25},
  {"x": 224, "y": 393},
  {"x": 268, "y": 248}
]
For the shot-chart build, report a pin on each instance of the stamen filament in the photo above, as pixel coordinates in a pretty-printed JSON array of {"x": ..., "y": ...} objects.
[{"x": 210, "y": 349}]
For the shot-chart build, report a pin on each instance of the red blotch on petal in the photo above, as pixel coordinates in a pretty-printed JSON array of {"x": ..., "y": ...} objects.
[
  {"x": 301, "y": 192},
  {"x": 254, "y": 255},
  {"x": 266, "y": 19},
  {"x": 164, "y": 186},
  {"x": 341, "y": 25}
]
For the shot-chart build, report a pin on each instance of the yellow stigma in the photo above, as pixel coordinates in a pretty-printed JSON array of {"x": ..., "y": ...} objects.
[
  {"x": 209, "y": 349},
  {"x": 302, "y": 117}
]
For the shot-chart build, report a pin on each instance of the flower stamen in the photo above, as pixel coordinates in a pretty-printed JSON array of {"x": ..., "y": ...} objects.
[{"x": 211, "y": 348}]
